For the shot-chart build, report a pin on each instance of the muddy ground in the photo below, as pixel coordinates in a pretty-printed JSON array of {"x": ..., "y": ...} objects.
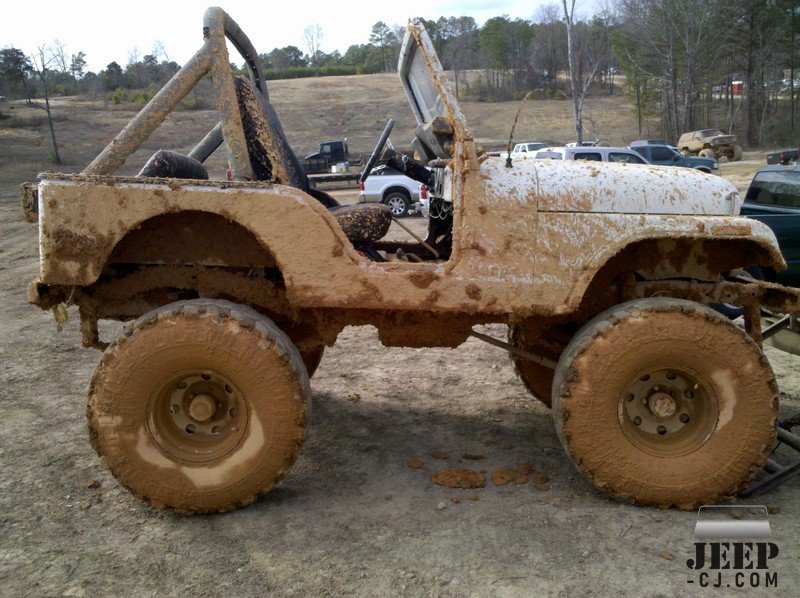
[{"x": 351, "y": 517}]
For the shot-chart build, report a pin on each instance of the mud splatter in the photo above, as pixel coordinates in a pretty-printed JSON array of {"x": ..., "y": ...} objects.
[{"x": 459, "y": 478}]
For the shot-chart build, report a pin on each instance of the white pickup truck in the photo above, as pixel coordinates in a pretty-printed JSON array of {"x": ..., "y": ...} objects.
[{"x": 391, "y": 188}]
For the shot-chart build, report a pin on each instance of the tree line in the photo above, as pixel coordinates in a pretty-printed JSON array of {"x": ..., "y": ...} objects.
[{"x": 687, "y": 64}]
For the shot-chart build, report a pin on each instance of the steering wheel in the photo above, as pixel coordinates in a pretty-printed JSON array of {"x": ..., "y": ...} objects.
[{"x": 376, "y": 153}]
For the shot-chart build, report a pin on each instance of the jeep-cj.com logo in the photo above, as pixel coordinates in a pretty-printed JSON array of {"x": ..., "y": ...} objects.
[{"x": 732, "y": 548}]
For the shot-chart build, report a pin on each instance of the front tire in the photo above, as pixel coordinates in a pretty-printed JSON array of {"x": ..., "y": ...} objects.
[
  {"x": 199, "y": 406},
  {"x": 708, "y": 153},
  {"x": 665, "y": 402},
  {"x": 398, "y": 204}
]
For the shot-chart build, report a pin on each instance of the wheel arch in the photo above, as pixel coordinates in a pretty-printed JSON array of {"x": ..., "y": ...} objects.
[
  {"x": 396, "y": 189},
  {"x": 278, "y": 226},
  {"x": 191, "y": 236},
  {"x": 702, "y": 257}
]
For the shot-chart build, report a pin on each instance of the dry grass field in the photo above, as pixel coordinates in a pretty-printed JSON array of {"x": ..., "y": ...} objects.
[{"x": 351, "y": 517}]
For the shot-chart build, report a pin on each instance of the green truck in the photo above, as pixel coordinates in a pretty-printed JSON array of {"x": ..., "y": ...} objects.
[
  {"x": 774, "y": 199},
  {"x": 664, "y": 155}
]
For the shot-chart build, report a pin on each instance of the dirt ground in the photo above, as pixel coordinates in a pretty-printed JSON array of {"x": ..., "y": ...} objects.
[{"x": 351, "y": 517}]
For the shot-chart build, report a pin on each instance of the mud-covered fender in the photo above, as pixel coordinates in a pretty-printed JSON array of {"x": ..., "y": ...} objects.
[
  {"x": 83, "y": 218},
  {"x": 660, "y": 245}
]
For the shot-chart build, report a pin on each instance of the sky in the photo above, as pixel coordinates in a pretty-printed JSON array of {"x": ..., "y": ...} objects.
[{"x": 110, "y": 30}]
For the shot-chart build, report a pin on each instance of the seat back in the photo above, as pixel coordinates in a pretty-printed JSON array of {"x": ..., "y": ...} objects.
[{"x": 271, "y": 158}]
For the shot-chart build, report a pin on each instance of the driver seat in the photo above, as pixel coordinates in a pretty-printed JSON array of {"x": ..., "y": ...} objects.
[{"x": 271, "y": 159}]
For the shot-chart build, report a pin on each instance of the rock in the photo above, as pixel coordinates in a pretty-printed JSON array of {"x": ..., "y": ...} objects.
[
  {"x": 474, "y": 497},
  {"x": 455, "y": 500},
  {"x": 473, "y": 456},
  {"x": 354, "y": 397},
  {"x": 93, "y": 484},
  {"x": 665, "y": 554},
  {"x": 441, "y": 506},
  {"x": 585, "y": 553},
  {"x": 459, "y": 478},
  {"x": 415, "y": 464},
  {"x": 439, "y": 455}
]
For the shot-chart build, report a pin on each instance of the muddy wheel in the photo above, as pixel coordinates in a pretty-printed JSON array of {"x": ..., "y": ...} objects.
[
  {"x": 537, "y": 378},
  {"x": 737, "y": 153},
  {"x": 708, "y": 153},
  {"x": 665, "y": 402},
  {"x": 199, "y": 406}
]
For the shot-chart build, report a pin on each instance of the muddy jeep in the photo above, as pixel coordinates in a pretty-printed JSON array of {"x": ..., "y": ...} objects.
[
  {"x": 232, "y": 290},
  {"x": 710, "y": 143}
]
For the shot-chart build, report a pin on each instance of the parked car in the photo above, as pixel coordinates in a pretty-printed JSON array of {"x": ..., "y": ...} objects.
[
  {"x": 783, "y": 157},
  {"x": 392, "y": 188},
  {"x": 597, "y": 154},
  {"x": 664, "y": 155},
  {"x": 639, "y": 142},
  {"x": 774, "y": 199},
  {"x": 710, "y": 143},
  {"x": 521, "y": 150}
]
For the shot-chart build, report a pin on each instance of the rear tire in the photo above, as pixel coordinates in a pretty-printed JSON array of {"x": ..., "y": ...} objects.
[
  {"x": 398, "y": 204},
  {"x": 737, "y": 153},
  {"x": 199, "y": 406},
  {"x": 708, "y": 153},
  {"x": 665, "y": 402}
]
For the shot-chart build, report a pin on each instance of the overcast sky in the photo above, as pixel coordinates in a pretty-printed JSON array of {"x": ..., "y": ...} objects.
[{"x": 110, "y": 30}]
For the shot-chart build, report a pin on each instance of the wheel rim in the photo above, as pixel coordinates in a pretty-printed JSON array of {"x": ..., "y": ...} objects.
[
  {"x": 668, "y": 411},
  {"x": 397, "y": 205},
  {"x": 198, "y": 416}
]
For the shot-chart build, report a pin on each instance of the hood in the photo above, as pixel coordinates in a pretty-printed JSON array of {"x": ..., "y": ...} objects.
[{"x": 581, "y": 186}]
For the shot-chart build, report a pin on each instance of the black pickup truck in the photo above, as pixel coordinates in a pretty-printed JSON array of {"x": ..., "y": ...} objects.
[
  {"x": 329, "y": 153},
  {"x": 774, "y": 199},
  {"x": 788, "y": 156}
]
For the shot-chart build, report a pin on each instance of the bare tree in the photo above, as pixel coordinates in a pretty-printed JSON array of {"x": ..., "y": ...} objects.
[
  {"x": 579, "y": 80},
  {"x": 312, "y": 39},
  {"x": 41, "y": 62},
  {"x": 160, "y": 50}
]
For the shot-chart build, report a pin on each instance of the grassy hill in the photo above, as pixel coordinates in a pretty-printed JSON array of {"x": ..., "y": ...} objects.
[{"x": 311, "y": 110}]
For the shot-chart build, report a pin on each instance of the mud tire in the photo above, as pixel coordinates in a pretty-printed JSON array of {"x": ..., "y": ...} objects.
[
  {"x": 736, "y": 154},
  {"x": 537, "y": 378},
  {"x": 708, "y": 153},
  {"x": 617, "y": 346},
  {"x": 233, "y": 342}
]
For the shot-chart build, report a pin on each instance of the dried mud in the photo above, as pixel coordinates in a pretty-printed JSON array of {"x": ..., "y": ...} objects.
[{"x": 459, "y": 478}]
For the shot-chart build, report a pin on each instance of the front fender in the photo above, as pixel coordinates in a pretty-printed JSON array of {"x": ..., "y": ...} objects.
[{"x": 663, "y": 246}]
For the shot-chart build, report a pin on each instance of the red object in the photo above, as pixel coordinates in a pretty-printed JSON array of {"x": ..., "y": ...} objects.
[
  {"x": 361, "y": 186},
  {"x": 736, "y": 87},
  {"x": 229, "y": 174},
  {"x": 423, "y": 191}
]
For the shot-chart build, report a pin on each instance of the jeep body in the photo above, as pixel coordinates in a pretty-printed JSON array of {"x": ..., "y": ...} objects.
[{"x": 235, "y": 288}]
